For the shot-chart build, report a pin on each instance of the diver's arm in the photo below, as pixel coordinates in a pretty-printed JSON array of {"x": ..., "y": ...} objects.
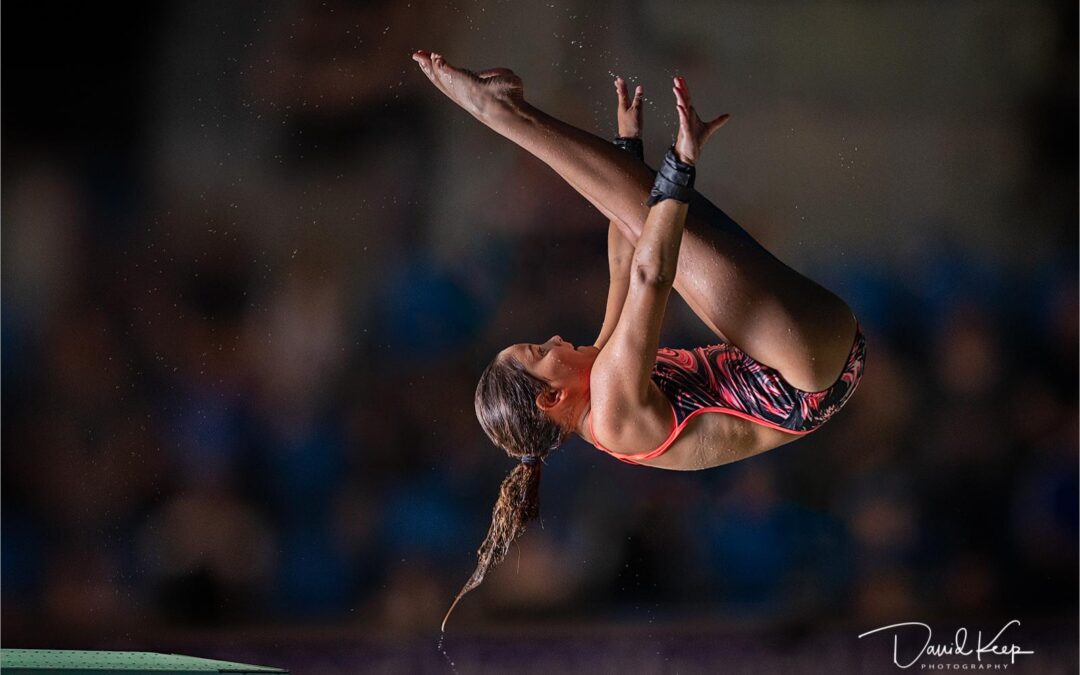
[
  {"x": 620, "y": 255},
  {"x": 624, "y": 369},
  {"x": 620, "y": 248}
]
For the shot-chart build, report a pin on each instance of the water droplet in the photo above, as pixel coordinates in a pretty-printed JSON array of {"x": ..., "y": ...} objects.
[{"x": 446, "y": 656}]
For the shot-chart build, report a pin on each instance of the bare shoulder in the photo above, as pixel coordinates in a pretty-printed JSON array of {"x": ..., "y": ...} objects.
[{"x": 629, "y": 427}]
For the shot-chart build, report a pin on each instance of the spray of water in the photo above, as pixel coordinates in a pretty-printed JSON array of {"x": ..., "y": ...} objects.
[{"x": 442, "y": 650}]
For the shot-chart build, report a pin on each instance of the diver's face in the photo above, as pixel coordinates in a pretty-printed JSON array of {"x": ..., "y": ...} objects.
[{"x": 556, "y": 361}]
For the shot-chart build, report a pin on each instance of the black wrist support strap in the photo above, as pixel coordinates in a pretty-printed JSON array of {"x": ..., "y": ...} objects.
[
  {"x": 674, "y": 180},
  {"x": 632, "y": 145}
]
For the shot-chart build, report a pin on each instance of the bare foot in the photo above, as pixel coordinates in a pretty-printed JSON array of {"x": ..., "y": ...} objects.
[{"x": 483, "y": 95}]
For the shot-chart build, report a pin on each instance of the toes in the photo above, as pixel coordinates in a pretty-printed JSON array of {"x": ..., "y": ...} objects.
[
  {"x": 437, "y": 62},
  {"x": 446, "y": 70},
  {"x": 427, "y": 64},
  {"x": 440, "y": 69},
  {"x": 423, "y": 59},
  {"x": 494, "y": 72}
]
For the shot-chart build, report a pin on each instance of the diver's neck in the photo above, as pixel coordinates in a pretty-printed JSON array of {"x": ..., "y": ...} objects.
[{"x": 581, "y": 427}]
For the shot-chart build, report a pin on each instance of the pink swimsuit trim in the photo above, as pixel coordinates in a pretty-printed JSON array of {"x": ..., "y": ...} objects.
[{"x": 662, "y": 448}]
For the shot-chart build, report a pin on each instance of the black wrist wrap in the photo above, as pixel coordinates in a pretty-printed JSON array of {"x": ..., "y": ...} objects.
[
  {"x": 674, "y": 180},
  {"x": 632, "y": 145}
]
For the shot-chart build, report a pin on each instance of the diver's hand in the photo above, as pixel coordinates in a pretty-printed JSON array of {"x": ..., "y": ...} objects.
[
  {"x": 630, "y": 122},
  {"x": 693, "y": 133}
]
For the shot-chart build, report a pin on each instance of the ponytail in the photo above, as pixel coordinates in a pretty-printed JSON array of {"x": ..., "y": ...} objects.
[{"x": 518, "y": 503}]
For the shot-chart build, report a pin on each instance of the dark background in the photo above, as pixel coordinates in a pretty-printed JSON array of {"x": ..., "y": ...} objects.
[{"x": 253, "y": 265}]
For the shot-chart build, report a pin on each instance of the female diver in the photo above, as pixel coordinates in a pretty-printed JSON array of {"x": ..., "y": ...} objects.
[{"x": 790, "y": 352}]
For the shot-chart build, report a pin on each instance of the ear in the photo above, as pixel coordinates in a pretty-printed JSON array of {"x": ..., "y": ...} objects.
[{"x": 550, "y": 398}]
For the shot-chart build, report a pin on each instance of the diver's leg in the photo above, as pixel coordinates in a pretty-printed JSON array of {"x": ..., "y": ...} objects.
[{"x": 770, "y": 311}]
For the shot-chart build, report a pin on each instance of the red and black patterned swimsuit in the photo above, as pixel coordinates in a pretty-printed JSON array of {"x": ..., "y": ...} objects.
[{"x": 722, "y": 378}]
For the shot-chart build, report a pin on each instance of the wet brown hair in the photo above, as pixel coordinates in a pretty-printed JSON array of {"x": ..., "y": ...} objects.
[{"x": 506, "y": 407}]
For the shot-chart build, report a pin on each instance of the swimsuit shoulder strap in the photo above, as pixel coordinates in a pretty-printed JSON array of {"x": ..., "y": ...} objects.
[{"x": 636, "y": 459}]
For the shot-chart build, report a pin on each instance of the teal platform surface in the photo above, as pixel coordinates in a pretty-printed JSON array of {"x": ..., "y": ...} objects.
[{"x": 70, "y": 662}]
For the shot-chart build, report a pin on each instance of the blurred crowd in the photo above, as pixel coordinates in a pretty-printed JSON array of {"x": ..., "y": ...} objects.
[{"x": 245, "y": 308}]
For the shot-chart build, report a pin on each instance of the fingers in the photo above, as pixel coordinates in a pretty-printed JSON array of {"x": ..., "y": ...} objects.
[
  {"x": 625, "y": 102},
  {"x": 682, "y": 92},
  {"x": 684, "y": 116},
  {"x": 620, "y": 91},
  {"x": 680, "y": 100},
  {"x": 711, "y": 127}
]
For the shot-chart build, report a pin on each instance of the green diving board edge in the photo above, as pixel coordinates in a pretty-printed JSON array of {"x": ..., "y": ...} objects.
[{"x": 74, "y": 662}]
